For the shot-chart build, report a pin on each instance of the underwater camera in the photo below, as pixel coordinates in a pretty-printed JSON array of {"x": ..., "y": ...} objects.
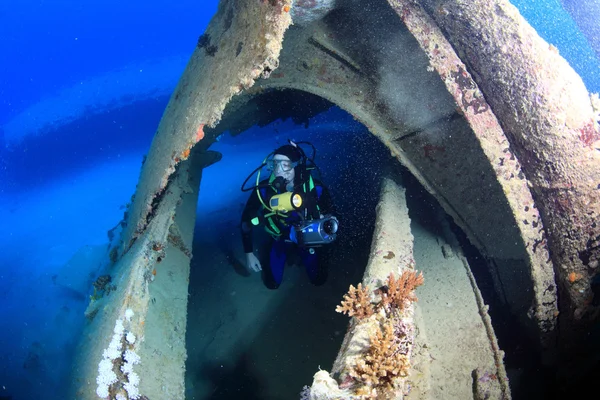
[{"x": 315, "y": 232}]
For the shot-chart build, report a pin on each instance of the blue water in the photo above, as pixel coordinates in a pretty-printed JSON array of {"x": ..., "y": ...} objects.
[
  {"x": 103, "y": 71},
  {"x": 572, "y": 26}
]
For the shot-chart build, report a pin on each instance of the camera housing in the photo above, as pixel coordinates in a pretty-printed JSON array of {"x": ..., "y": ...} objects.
[{"x": 315, "y": 232}]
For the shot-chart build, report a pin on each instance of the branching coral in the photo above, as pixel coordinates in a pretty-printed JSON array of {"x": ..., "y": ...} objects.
[
  {"x": 397, "y": 294},
  {"x": 387, "y": 356},
  {"x": 356, "y": 303},
  {"x": 382, "y": 363}
]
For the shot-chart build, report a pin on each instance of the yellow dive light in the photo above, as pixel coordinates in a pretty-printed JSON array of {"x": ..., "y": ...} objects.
[{"x": 285, "y": 202}]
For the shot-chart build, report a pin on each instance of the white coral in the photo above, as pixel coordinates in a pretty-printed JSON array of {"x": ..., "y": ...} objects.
[
  {"x": 133, "y": 378},
  {"x": 127, "y": 368},
  {"x": 114, "y": 348},
  {"x": 106, "y": 375},
  {"x": 131, "y": 357},
  {"x": 105, "y": 378},
  {"x": 111, "y": 353},
  {"x": 116, "y": 341},
  {"x": 130, "y": 338},
  {"x": 102, "y": 391},
  {"x": 132, "y": 390},
  {"x": 119, "y": 328}
]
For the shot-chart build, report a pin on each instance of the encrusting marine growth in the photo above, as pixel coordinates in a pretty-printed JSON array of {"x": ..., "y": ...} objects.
[
  {"x": 116, "y": 378},
  {"x": 387, "y": 356}
]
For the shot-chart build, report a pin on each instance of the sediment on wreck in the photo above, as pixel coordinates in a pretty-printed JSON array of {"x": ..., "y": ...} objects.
[
  {"x": 138, "y": 277},
  {"x": 434, "y": 368},
  {"x": 152, "y": 259},
  {"x": 463, "y": 92},
  {"x": 495, "y": 147},
  {"x": 546, "y": 112}
]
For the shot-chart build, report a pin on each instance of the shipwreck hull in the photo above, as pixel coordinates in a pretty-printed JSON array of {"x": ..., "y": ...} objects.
[{"x": 492, "y": 134}]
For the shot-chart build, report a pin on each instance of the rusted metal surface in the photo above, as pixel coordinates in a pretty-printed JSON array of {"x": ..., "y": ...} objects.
[
  {"x": 546, "y": 113},
  {"x": 491, "y": 121},
  {"x": 446, "y": 136},
  {"x": 244, "y": 36},
  {"x": 494, "y": 145}
]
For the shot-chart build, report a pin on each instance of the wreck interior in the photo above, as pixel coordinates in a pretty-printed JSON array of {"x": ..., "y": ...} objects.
[
  {"x": 267, "y": 328},
  {"x": 221, "y": 367},
  {"x": 388, "y": 65}
]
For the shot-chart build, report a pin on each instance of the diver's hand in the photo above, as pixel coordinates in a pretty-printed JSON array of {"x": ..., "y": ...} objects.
[{"x": 252, "y": 262}]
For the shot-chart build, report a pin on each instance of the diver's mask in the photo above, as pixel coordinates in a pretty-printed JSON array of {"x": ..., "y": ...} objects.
[{"x": 280, "y": 165}]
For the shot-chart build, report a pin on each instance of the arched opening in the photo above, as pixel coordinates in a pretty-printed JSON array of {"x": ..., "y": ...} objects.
[{"x": 244, "y": 340}]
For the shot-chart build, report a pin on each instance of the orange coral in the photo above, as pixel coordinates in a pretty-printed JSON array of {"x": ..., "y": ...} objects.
[
  {"x": 387, "y": 356},
  {"x": 574, "y": 276},
  {"x": 356, "y": 303},
  {"x": 383, "y": 361},
  {"x": 200, "y": 133},
  {"x": 399, "y": 293}
]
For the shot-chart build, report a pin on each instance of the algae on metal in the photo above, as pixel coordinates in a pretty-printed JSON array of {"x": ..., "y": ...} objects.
[{"x": 492, "y": 122}]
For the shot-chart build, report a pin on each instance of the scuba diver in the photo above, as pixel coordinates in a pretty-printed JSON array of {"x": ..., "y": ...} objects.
[{"x": 296, "y": 211}]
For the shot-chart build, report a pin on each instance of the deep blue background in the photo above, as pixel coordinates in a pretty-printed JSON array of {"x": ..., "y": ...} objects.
[{"x": 45, "y": 45}]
